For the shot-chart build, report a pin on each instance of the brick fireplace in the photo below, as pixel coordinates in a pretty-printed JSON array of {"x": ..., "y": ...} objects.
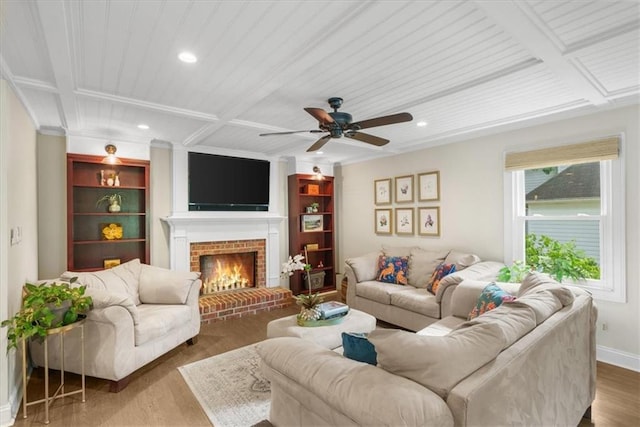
[
  {"x": 193, "y": 234},
  {"x": 225, "y": 265}
]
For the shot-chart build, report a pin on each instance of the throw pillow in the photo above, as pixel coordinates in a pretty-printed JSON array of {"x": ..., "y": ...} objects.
[
  {"x": 492, "y": 296},
  {"x": 441, "y": 271},
  {"x": 161, "y": 286},
  {"x": 357, "y": 347},
  {"x": 393, "y": 269}
]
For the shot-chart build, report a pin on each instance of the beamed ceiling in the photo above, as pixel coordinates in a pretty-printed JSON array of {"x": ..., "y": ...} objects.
[{"x": 100, "y": 68}]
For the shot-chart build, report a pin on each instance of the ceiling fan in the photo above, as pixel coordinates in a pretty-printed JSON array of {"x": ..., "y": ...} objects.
[{"x": 339, "y": 124}]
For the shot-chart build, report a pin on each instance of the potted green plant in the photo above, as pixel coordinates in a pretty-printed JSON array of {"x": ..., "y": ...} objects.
[
  {"x": 314, "y": 207},
  {"x": 114, "y": 201},
  {"x": 44, "y": 307}
]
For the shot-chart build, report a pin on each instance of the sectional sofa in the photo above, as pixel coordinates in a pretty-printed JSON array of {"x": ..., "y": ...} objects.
[
  {"x": 528, "y": 362},
  {"x": 413, "y": 304}
]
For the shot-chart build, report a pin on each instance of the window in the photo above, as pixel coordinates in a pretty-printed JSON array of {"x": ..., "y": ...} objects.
[{"x": 573, "y": 195}]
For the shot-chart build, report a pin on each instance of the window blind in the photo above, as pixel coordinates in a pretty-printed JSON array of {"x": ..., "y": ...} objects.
[{"x": 585, "y": 152}]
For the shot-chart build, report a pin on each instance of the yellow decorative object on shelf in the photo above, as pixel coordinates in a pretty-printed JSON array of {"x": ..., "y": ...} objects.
[{"x": 111, "y": 231}]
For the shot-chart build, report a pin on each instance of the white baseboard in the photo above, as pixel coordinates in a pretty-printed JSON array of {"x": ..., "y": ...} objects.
[
  {"x": 618, "y": 358},
  {"x": 7, "y": 415}
]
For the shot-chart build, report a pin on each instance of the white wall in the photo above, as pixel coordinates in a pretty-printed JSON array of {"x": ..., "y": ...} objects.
[
  {"x": 18, "y": 262},
  {"x": 471, "y": 179},
  {"x": 160, "y": 182}
]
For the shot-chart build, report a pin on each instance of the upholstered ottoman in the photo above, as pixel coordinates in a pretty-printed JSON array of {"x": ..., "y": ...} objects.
[{"x": 326, "y": 336}]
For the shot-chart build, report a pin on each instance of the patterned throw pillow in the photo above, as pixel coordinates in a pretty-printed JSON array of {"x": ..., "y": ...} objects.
[
  {"x": 491, "y": 297},
  {"x": 393, "y": 269},
  {"x": 441, "y": 270}
]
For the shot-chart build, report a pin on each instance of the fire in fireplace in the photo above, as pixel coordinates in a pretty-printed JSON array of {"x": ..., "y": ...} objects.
[{"x": 223, "y": 272}]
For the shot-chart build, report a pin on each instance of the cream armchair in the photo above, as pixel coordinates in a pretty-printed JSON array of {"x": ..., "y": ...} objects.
[{"x": 140, "y": 313}]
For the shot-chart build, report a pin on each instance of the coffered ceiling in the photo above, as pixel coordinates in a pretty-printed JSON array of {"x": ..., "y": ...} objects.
[{"x": 101, "y": 68}]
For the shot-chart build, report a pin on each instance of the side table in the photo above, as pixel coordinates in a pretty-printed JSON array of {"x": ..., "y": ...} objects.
[{"x": 60, "y": 391}]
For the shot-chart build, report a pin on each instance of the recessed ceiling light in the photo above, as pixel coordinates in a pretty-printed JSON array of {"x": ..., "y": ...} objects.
[
  {"x": 421, "y": 124},
  {"x": 143, "y": 126},
  {"x": 187, "y": 57},
  {"x": 319, "y": 152}
]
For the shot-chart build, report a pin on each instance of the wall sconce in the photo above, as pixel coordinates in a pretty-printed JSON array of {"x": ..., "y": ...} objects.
[
  {"x": 111, "y": 158},
  {"x": 318, "y": 172}
]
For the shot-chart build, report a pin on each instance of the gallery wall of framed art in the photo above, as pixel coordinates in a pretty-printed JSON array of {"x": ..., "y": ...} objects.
[{"x": 404, "y": 220}]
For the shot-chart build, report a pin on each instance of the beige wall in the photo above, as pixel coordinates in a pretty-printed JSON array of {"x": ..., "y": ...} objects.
[
  {"x": 160, "y": 204},
  {"x": 52, "y": 202},
  {"x": 19, "y": 262},
  {"x": 472, "y": 204}
]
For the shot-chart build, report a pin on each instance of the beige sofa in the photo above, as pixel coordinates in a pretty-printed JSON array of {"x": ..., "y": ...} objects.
[
  {"x": 140, "y": 313},
  {"x": 530, "y": 362},
  {"x": 411, "y": 306}
]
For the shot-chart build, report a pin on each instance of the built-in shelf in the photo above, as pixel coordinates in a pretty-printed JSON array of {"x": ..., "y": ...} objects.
[
  {"x": 299, "y": 200},
  {"x": 87, "y": 250}
]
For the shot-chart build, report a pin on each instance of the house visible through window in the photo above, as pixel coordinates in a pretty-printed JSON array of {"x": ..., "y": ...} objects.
[{"x": 570, "y": 199}]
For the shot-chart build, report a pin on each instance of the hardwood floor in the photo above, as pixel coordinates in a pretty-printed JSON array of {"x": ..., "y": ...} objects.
[{"x": 158, "y": 396}]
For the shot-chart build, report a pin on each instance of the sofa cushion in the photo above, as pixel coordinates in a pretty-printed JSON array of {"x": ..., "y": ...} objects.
[
  {"x": 546, "y": 302},
  {"x": 492, "y": 296},
  {"x": 461, "y": 260},
  {"x": 443, "y": 269},
  {"x": 417, "y": 300},
  {"x": 122, "y": 279},
  {"x": 157, "y": 320},
  {"x": 422, "y": 262},
  {"x": 538, "y": 282},
  {"x": 356, "y": 346},
  {"x": 393, "y": 269},
  {"x": 397, "y": 250},
  {"x": 378, "y": 291},
  {"x": 442, "y": 327},
  {"x": 364, "y": 267},
  {"x": 161, "y": 286},
  {"x": 437, "y": 362},
  {"x": 514, "y": 320}
]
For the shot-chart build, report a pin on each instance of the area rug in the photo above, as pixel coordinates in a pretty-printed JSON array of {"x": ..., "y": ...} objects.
[{"x": 230, "y": 387}]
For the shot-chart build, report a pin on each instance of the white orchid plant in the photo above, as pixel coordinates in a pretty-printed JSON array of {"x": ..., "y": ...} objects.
[{"x": 293, "y": 264}]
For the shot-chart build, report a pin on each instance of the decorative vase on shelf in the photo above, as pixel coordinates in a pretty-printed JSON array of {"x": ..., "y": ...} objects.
[
  {"x": 116, "y": 182},
  {"x": 114, "y": 207}
]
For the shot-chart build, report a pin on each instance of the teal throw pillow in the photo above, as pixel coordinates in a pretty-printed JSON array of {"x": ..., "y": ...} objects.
[
  {"x": 358, "y": 347},
  {"x": 440, "y": 271},
  {"x": 492, "y": 296},
  {"x": 393, "y": 269}
]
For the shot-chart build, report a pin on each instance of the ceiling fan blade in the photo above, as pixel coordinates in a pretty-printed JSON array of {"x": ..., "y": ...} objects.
[
  {"x": 319, "y": 143},
  {"x": 320, "y": 115},
  {"x": 369, "y": 139},
  {"x": 382, "y": 121},
  {"x": 293, "y": 131}
]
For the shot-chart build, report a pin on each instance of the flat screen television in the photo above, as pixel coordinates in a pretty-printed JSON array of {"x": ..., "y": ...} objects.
[{"x": 223, "y": 183}]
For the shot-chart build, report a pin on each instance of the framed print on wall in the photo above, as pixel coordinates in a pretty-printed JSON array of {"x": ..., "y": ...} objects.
[
  {"x": 382, "y": 188},
  {"x": 383, "y": 221},
  {"x": 404, "y": 221},
  {"x": 404, "y": 189},
  {"x": 429, "y": 221},
  {"x": 429, "y": 186}
]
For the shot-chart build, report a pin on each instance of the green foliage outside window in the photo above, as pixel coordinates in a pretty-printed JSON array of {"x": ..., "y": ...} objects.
[{"x": 547, "y": 255}]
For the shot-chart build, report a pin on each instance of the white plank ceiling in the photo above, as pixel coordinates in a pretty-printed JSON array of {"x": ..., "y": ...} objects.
[{"x": 99, "y": 68}]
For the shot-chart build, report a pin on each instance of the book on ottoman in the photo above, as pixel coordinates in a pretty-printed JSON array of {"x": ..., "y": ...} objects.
[{"x": 332, "y": 309}]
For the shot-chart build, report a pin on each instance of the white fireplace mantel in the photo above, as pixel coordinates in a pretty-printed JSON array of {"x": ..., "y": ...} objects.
[{"x": 189, "y": 227}]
